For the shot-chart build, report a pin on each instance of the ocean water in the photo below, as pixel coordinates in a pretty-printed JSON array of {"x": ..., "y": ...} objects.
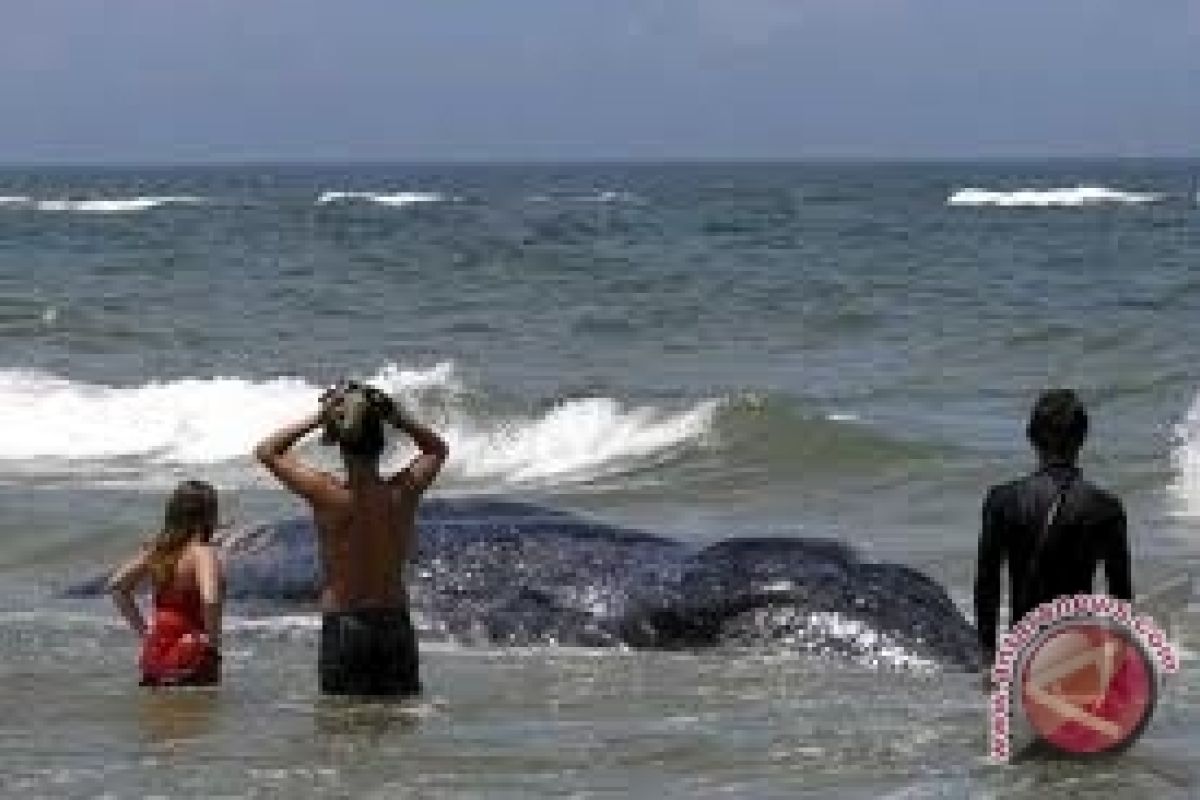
[{"x": 702, "y": 351}]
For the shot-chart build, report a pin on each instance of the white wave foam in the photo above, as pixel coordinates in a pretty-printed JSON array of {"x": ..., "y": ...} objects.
[
  {"x": 394, "y": 199},
  {"x": 1042, "y": 198},
  {"x": 149, "y": 434},
  {"x": 828, "y": 633},
  {"x": 14, "y": 200},
  {"x": 610, "y": 196},
  {"x": 876, "y": 648},
  {"x": 597, "y": 196},
  {"x": 577, "y": 441},
  {"x": 284, "y": 623},
  {"x": 1186, "y": 459},
  {"x": 110, "y": 205},
  {"x": 301, "y": 625}
]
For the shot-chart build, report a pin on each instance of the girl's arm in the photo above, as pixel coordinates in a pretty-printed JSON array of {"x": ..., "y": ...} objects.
[
  {"x": 122, "y": 585},
  {"x": 212, "y": 591}
]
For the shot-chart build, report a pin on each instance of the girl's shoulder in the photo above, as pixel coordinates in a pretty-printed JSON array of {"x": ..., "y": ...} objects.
[
  {"x": 193, "y": 552},
  {"x": 202, "y": 552}
]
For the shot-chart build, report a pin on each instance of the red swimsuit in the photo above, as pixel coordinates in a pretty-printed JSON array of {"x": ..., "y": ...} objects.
[{"x": 176, "y": 651}]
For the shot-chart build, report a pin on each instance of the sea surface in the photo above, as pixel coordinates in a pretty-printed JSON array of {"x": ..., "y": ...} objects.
[{"x": 702, "y": 351}]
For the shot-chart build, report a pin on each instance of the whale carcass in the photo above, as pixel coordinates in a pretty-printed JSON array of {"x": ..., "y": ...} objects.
[{"x": 504, "y": 572}]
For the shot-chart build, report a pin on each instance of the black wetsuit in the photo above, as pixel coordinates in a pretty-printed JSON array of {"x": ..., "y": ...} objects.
[
  {"x": 1088, "y": 528},
  {"x": 368, "y": 652}
]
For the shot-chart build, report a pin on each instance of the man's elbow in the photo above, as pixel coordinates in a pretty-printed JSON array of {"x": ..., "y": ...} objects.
[
  {"x": 434, "y": 445},
  {"x": 263, "y": 454}
]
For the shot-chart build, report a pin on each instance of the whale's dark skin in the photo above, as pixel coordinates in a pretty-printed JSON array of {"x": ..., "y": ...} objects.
[{"x": 503, "y": 572}]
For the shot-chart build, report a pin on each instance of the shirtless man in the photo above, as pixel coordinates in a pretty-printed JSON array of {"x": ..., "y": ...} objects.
[{"x": 366, "y": 535}]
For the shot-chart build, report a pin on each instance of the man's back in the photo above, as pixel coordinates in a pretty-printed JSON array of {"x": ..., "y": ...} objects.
[
  {"x": 366, "y": 536},
  {"x": 1087, "y": 528}
]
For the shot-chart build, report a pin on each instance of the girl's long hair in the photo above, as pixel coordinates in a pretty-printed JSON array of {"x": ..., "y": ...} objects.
[{"x": 191, "y": 511}]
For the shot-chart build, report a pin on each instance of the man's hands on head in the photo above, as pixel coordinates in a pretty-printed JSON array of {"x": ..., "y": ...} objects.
[
  {"x": 274, "y": 453},
  {"x": 382, "y": 402},
  {"x": 388, "y": 409}
]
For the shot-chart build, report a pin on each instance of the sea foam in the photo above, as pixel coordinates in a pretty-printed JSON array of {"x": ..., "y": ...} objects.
[
  {"x": 595, "y": 196},
  {"x": 1185, "y": 457},
  {"x": 1043, "y": 198},
  {"x": 383, "y": 199},
  {"x": 153, "y": 432},
  {"x": 96, "y": 205}
]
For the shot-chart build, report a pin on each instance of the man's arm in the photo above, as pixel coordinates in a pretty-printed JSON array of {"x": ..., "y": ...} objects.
[
  {"x": 422, "y": 470},
  {"x": 122, "y": 585},
  {"x": 987, "y": 578},
  {"x": 275, "y": 454},
  {"x": 1117, "y": 571}
]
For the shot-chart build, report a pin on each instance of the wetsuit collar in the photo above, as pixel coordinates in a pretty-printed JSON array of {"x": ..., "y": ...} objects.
[
  {"x": 1058, "y": 465},
  {"x": 1061, "y": 472}
]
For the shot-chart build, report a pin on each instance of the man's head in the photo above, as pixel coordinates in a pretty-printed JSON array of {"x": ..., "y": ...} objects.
[
  {"x": 1058, "y": 425},
  {"x": 353, "y": 419}
]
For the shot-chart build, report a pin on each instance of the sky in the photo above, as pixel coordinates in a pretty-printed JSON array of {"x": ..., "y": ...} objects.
[{"x": 153, "y": 81}]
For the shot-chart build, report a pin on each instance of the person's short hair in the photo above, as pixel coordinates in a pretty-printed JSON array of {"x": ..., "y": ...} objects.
[
  {"x": 364, "y": 439},
  {"x": 353, "y": 416},
  {"x": 1058, "y": 423}
]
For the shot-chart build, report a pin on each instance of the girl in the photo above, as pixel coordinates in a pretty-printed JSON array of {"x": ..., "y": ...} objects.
[{"x": 181, "y": 646}]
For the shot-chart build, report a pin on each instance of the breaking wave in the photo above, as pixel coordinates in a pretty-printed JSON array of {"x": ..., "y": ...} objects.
[
  {"x": 1186, "y": 459},
  {"x": 1043, "y": 198},
  {"x": 149, "y": 434}
]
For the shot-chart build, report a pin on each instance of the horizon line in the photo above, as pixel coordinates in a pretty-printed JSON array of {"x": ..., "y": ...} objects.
[{"x": 847, "y": 160}]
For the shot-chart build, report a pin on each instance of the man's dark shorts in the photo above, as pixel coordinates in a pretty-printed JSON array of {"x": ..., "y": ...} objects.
[{"x": 368, "y": 652}]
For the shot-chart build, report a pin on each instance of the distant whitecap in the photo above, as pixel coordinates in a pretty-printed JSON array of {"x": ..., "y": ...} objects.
[
  {"x": 383, "y": 199},
  {"x": 111, "y": 205},
  {"x": 1043, "y": 198}
]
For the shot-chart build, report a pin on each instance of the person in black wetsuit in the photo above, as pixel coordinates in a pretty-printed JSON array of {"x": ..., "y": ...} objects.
[{"x": 1052, "y": 527}]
